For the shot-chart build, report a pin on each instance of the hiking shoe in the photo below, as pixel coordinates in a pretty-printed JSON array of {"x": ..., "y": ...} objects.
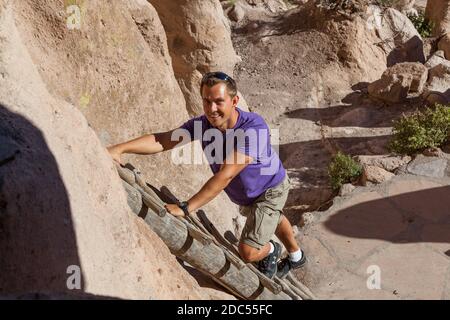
[
  {"x": 268, "y": 265},
  {"x": 286, "y": 265}
]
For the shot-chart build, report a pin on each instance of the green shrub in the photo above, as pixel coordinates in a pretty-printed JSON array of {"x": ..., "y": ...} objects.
[
  {"x": 343, "y": 169},
  {"x": 421, "y": 130},
  {"x": 423, "y": 25}
]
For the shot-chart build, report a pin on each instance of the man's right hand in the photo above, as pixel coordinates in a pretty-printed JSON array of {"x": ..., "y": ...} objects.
[{"x": 115, "y": 154}]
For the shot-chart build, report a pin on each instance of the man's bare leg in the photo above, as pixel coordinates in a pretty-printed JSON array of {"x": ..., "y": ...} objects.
[
  {"x": 285, "y": 233},
  {"x": 250, "y": 254}
]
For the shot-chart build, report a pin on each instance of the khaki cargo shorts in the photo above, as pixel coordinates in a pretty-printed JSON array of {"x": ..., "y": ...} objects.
[{"x": 264, "y": 215}]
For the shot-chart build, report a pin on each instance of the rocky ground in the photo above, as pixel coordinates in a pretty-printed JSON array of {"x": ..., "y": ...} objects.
[{"x": 400, "y": 228}]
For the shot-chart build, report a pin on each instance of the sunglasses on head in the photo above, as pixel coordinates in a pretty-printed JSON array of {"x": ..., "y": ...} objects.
[{"x": 219, "y": 75}]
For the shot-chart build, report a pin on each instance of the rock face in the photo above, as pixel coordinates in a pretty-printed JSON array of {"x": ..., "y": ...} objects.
[
  {"x": 199, "y": 41},
  {"x": 118, "y": 71},
  {"x": 438, "y": 11},
  {"x": 297, "y": 74},
  {"x": 400, "y": 39},
  {"x": 64, "y": 217}
]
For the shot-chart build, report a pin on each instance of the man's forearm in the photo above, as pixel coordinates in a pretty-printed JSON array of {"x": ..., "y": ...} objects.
[
  {"x": 146, "y": 144},
  {"x": 209, "y": 191}
]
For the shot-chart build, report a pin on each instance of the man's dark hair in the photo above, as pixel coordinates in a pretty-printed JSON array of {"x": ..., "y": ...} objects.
[{"x": 210, "y": 79}]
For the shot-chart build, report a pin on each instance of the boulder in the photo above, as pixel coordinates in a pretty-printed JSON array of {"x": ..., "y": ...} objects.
[
  {"x": 444, "y": 45},
  {"x": 355, "y": 48},
  {"x": 438, "y": 12},
  {"x": 437, "y": 89},
  {"x": 428, "y": 166},
  {"x": 399, "y": 38},
  {"x": 391, "y": 88},
  {"x": 417, "y": 70},
  {"x": 375, "y": 175}
]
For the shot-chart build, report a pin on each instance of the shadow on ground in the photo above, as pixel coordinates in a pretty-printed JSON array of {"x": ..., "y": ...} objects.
[
  {"x": 357, "y": 110},
  {"x": 420, "y": 216}
]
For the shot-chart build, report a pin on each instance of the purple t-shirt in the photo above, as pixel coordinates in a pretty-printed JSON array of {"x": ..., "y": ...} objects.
[{"x": 250, "y": 136}]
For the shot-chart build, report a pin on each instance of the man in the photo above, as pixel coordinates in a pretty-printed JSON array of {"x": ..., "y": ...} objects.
[{"x": 249, "y": 171}]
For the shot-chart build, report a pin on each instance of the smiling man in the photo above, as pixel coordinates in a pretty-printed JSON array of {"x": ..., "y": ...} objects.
[{"x": 244, "y": 165}]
